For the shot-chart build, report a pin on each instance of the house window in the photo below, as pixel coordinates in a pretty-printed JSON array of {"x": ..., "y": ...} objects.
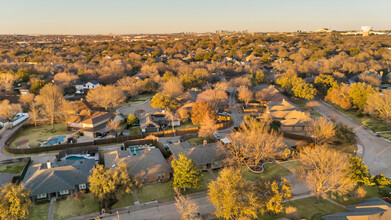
[
  {"x": 162, "y": 175},
  {"x": 216, "y": 164},
  {"x": 41, "y": 196},
  {"x": 64, "y": 192},
  {"x": 82, "y": 186}
]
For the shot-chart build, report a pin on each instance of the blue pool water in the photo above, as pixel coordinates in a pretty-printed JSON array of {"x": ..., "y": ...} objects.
[
  {"x": 75, "y": 158},
  {"x": 55, "y": 140}
]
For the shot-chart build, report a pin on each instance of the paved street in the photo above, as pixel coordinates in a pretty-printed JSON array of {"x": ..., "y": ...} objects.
[{"x": 376, "y": 150}]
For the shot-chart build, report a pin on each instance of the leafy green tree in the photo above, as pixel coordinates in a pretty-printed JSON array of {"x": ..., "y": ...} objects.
[
  {"x": 163, "y": 101},
  {"x": 381, "y": 180},
  {"x": 304, "y": 90},
  {"x": 324, "y": 82},
  {"x": 186, "y": 173},
  {"x": 359, "y": 92},
  {"x": 271, "y": 193},
  {"x": 36, "y": 86},
  {"x": 14, "y": 202},
  {"x": 358, "y": 171},
  {"x": 232, "y": 196},
  {"x": 108, "y": 185},
  {"x": 132, "y": 119}
]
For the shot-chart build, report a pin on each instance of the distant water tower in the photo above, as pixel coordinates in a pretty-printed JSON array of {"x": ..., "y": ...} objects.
[{"x": 365, "y": 30}]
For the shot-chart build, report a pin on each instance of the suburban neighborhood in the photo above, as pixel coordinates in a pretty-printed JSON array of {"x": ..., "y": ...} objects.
[{"x": 195, "y": 125}]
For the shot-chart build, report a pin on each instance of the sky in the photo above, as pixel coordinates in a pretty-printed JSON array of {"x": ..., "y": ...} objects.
[{"x": 171, "y": 16}]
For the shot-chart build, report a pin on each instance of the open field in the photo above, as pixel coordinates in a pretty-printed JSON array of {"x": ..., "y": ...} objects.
[{"x": 33, "y": 134}]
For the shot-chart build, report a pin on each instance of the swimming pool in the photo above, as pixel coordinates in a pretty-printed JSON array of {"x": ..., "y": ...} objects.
[
  {"x": 55, "y": 140},
  {"x": 75, "y": 158}
]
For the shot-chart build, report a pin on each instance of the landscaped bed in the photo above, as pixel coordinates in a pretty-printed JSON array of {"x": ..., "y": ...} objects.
[
  {"x": 33, "y": 134},
  {"x": 69, "y": 207}
]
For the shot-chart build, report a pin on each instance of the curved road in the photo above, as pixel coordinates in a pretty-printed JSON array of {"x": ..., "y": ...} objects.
[{"x": 376, "y": 150}]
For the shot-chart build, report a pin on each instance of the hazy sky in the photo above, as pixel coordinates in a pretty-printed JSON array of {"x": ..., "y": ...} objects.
[{"x": 167, "y": 16}]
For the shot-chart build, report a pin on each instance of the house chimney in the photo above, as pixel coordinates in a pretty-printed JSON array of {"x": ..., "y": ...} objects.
[{"x": 49, "y": 165}]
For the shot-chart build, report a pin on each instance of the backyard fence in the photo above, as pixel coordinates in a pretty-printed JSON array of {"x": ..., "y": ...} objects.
[{"x": 119, "y": 139}]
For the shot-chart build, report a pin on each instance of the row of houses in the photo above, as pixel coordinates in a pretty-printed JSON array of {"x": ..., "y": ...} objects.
[{"x": 146, "y": 163}]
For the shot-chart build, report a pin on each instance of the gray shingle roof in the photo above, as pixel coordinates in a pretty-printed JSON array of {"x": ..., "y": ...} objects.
[
  {"x": 64, "y": 175},
  {"x": 374, "y": 208},
  {"x": 140, "y": 165},
  {"x": 201, "y": 155}
]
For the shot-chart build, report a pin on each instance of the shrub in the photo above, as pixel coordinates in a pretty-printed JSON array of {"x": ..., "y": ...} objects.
[{"x": 292, "y": 213}]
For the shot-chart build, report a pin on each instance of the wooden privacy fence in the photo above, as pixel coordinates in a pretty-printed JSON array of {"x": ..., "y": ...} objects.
[{"x": 120, "y": 139}]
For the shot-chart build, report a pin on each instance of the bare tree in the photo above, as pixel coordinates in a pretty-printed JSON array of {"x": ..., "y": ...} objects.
[
  {"x": 379, "y": 105},
  {"x": 51, "y": 99},
  {"x": 7, "y": 81},
  {"x": 213, "y": 96},
  {"x": 254, "y": 143},
  {"x": 173, "y": 87},
  {"x": 186, "y": 207},
  {"x": 106, "y": 96},
  {"x": 29, "y": 100},
  {"x": 245, "y": 95},
  {"x": 130, "y": 85},
  {"x": 208, "y": 127},
  {"x": 65, "y": 79},
  {"x": 112, "y": 126},
  {"x": 324, "y": 170},
  {"x": 321, "y": 130},
  {"x": 8, "y": 110}
]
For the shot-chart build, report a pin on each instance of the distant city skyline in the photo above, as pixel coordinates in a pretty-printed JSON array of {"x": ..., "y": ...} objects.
[{"x": 173, "y": 16}]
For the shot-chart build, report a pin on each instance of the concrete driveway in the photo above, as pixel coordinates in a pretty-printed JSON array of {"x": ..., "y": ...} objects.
[{"x": 376, "y": 150}]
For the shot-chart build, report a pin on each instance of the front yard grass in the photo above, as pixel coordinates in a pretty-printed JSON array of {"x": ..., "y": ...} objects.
[
  {"x": 12, "y": 168},
  {"x": 311, "y": 208},
  {"x": 39, "y": 211},
  {"x": 138, "y": 99},
  {"x": 40, "y": 133},
  {"x": 292, "y": 164},
  {"x": 204, "y": 184},
  {"x": 156, "y": 191},
  {"x": 125, "y": 200},
  {"x": 349, "y": 200},
  {"x": 69, "y": 207},
  {"x": 386, "y": 135},
  {"x": 271, "y": 170}
]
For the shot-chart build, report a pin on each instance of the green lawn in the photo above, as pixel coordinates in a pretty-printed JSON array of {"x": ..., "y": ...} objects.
[
  {"x": 15, "y": 168},
  {"x": 271, "y": 170},
  {"x": 311, "y": 208},
  {"x": 369, "y": 122},
  {"x": 205, "y": 182},
  {"x": 39, "y": 211},
  {"x": 345, "y": 148},
  {"x": 125, "y": 200},
  {"x": 386, "y": 135},
  {"x": 68, "y": 207},
  {"x": 122, "y": 126},
  {"x": 135, "y": 130},
  {"x": 156, "y": 191},
  {"x": 185, "y": 125},
  {"x": 138, "y": 99},
  {"x": 199, "y": 140},
  {"x": 40, "y": 133},
  {"x": 349, "y": 200},
  {"x": 292, "y": 164}
]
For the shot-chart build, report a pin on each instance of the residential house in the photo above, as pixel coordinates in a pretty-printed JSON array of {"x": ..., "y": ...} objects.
[
  {"x": 290, "y": 115},
  {"x": 47, "y": 180},
  {"x": 155, "y": 121},
  {"x": 81, "y": 86},
  {"x": 371, "y": 209},
  {"x": 91, "y": 123},
  {"x": 148, "y": 165},
  {"x": 210, "y": 156}
]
